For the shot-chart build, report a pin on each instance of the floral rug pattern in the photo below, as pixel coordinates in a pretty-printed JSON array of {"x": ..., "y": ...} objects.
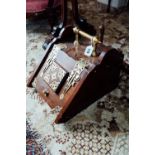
[{"x": 102, "y": 128}]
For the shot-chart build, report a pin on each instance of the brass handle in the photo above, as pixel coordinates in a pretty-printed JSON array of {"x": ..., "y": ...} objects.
[
  {"x": 86, "y": 35},
  {"x": 94, "y": 39},
  {"x": 46, "y": 92}
]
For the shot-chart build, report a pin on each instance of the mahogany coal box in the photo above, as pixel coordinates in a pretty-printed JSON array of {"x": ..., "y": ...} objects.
[{"x": 73, "y": 75}]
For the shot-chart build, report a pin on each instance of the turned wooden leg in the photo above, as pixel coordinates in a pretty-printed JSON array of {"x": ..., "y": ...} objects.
[
  {"x": 109, "y": 6},
  {"x": 80, "y": 21},
  {"x": 56, "y": 29},
  {"x": 50, "y": 13}
]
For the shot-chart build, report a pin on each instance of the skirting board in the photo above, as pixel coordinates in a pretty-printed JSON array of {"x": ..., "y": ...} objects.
[{"x": 115, "y": 3}]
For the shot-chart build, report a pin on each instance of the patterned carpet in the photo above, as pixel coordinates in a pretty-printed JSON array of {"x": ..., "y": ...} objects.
[{"x": 102, "y": 128}]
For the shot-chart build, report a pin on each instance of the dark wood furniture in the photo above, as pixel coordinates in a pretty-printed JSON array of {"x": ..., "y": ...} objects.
[
  {"x": 76, "y": 20},
  {"x": 109, "y": 6},
  {"x": 98, "y": 79}
]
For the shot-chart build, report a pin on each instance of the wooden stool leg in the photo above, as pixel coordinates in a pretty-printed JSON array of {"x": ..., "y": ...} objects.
[
  {"x": 56, "y": 29},
  {"x": 109, "y": 5},
  {"x": 50, "y": 13},
  {"x": 80, "y": 21}
]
